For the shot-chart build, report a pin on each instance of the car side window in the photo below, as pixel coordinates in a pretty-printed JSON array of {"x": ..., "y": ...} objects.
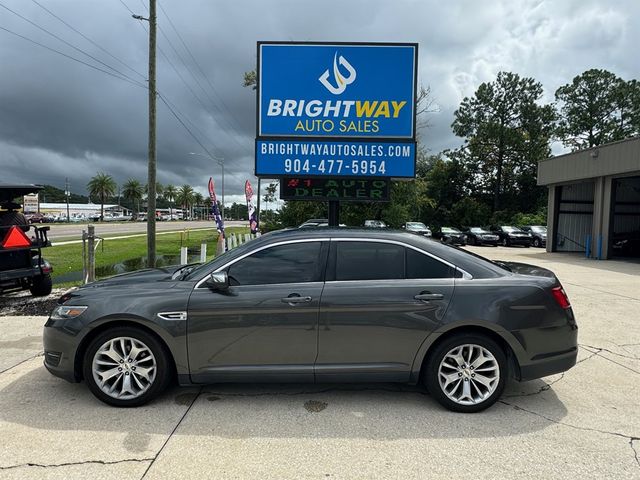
[
  {"x": 420, "y": 265},
  {"x": 290, "y": 263},
  {"x": 369, "y": 261}
]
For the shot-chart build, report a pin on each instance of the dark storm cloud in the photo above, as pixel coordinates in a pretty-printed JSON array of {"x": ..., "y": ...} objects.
[{"x": 61, "y": 119}]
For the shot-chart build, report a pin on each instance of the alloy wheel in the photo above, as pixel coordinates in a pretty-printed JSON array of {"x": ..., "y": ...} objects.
[
  {"x": 468, "y": 374},
  {"x": 124, "y": 368}
]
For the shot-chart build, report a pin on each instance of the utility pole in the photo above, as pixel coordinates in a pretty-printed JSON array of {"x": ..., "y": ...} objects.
[
  {"x": 151, "y": 177},
  {"x": 66, "y": 193}
]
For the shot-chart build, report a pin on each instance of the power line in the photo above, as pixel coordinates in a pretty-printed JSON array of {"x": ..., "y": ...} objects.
[
  {"x": 133, "y": 82},
  {"x": 89, "y": 40},
  {"x": 213, "y": 88},
  {"x": 66, "y": 43}
]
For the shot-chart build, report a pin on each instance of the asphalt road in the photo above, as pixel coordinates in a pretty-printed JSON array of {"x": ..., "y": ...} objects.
[
  {"x": 582, "y": 424},
  {"x": 73, "y": 231}
]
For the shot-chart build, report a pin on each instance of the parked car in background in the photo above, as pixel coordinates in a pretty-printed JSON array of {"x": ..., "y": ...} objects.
[
  {"x": 538, "y": 234},
  {"x": 512, "y": 236},
  {"x": 356, "y": 305},
  {"x": 451, "y": 235},
  {"x": 314, "y": 222},
  {"x": 36, "y": 218},
  {"x": 626, "y": 244},
  {"x": 480, "y": 236},
  {"x": 375, "y": 224},
  {"x": 417, "y": 227}
]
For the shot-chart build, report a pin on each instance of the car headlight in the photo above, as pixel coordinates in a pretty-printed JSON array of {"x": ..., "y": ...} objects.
[{"x": 66, "y": 312}]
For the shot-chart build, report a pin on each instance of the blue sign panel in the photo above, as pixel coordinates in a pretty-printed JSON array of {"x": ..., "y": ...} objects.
[
  {"x": 336, "y": 90},
  {"x": 276, "y": 158}
]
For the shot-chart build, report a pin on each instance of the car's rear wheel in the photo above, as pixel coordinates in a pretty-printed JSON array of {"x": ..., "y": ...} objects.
[
  {"x": 126, "y": 367},
  {"x": 505, "y": 242},
  {"x": 466, "y": 372},
  {"x": 41, "y": 285},
  {"x": 536, "y": 242}
]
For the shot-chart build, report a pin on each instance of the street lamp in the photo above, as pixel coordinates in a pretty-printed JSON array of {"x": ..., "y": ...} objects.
[{"x": 220, "y": 162}]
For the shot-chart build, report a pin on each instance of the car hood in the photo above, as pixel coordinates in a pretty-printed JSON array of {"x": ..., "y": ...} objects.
[
  {"x": 139, "y": 277},
  {"x": 526, "y": 269}
]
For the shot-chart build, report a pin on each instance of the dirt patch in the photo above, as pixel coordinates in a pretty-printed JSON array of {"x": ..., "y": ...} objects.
[
  {"x": 315, "y": 406},
  {"x": 23, "y": 303}
]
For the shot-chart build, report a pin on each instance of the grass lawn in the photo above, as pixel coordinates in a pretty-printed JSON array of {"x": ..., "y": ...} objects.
[{"x": 68, "y": 258}]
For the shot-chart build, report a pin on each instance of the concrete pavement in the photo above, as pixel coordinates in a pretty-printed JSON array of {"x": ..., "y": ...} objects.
[{"x": 584, "y": 423}]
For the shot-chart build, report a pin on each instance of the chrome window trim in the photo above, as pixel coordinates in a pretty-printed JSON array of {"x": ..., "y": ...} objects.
[
  {"x": 259, "y": 249},
  {"x": 466, "y": 275}
]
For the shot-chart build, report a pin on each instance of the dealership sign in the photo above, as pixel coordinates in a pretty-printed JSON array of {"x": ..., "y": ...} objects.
[
  {"x": 343, "y": 189},
  {"x": 312, "y": 96}
]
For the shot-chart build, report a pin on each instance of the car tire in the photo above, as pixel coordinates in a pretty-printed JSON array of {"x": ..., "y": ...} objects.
[
  {"x": 41, "y": 285},
  {"x": 505, "y": 242},
  {"x": 536, "y": 242},
  {"x": 107, "y": 347},
  {"x": 453, "y": 397}
]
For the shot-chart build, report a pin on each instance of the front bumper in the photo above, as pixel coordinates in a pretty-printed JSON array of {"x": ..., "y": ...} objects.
[
  {"x": 60, "y": 346},
  {"x": 520, "y": 240}
]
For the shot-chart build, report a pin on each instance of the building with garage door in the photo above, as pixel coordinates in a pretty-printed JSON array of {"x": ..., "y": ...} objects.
[{"x": 594, "y": 200}]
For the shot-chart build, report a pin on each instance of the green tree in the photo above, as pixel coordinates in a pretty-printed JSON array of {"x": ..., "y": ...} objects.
[
  {"x": 506, "y": 132},
  {"x": 593, "y": 110},
  {"x": 169, "y": 193},
  {"x": 197, "y": 201},
  {"x": 133, "y": 191},
  {"x": 184, "y": 198},
  {"x": 102, "y": 186}
]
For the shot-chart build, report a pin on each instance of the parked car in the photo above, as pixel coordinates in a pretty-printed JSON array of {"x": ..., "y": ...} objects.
[
  {"x": 375, "y": 224},
  {"x": 36, "y": 218},
  {"x": 452, "y": 236},
  {"x": 480, "y": 236},
  {"x": 315, "y": 222},
  {"x": 626, "y": 244},
  {"x": 538, "y": 234},
  {"x": 511, "y": 236},
  {"x": 417, "y": 227},
  {"x": 343, "y": 305}
]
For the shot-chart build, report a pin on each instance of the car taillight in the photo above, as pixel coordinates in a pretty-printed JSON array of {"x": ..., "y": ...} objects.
[{"x": 561, "y": 297}]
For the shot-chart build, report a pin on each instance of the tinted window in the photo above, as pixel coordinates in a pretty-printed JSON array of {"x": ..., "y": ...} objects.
[
  {"x": 369, "y": 261},
  {"x": 292, "y": 263},
  {"x": 420, "y": 265}
]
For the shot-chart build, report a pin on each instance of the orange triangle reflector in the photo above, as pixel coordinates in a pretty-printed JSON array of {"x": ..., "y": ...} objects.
[{"x": 16, "y": 238}]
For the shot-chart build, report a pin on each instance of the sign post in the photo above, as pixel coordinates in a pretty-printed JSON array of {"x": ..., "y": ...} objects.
[{"x": 336, "y": 111}]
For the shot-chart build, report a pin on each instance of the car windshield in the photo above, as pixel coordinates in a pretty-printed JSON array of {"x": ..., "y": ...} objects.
[
  {"x": 478, "y": 230},
  {"x": 449, "y": 230},
  {"x": 539, "y": 229},
  {"x": 511, "y": 229},
  {"x": 416, "y": 226}
]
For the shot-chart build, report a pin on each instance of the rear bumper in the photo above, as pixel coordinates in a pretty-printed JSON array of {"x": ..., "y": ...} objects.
[{"x": 551, "y": 365}]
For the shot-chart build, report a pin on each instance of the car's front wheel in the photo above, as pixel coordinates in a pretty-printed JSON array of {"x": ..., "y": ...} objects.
[
  {"x": 466, "y": 372},
  {"x": 126, "y": 367}
]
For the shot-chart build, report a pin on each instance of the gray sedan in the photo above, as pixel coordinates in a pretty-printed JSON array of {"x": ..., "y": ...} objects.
[{"x": 332, "y": 305}]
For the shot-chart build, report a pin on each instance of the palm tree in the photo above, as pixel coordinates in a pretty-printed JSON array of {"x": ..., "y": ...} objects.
[
  {"x": 102, "y": 186},
  {"x": 197, "y": 201},
  {"x": 169, "y": 193},
  {"x": 133, "y": 191},
  {"x": 207, "y": 203},
  {"x": 185, "y": 197}
]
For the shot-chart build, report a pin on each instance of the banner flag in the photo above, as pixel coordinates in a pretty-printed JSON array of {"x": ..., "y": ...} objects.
[
  {"x": 253, "y": 219},
  {"x": 214, "y": 208}
]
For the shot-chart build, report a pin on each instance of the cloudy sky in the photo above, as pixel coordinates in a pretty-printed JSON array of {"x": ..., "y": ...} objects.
[{"x": 60, "y": 118}]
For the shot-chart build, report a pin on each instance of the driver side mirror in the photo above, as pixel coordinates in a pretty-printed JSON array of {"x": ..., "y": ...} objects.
[{"x": 218, "y": 281}]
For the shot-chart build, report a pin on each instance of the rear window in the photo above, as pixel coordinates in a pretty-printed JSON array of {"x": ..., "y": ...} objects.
[{"x": 420, "y": 265}]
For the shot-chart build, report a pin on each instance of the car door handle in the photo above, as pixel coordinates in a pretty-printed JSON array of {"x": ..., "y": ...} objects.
[
  {"x": 295, "y": 299},
  {"x": 425, "y": 297}
]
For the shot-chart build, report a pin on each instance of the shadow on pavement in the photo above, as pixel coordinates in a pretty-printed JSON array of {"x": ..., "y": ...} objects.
[{"x": 374, "y": 411}]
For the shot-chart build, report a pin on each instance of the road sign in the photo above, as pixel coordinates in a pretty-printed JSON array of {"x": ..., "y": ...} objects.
[
  {"x": 335, "y": 158},
  {"x": 343, "y": 189},
  {"x": 30, "y": 203},
  {"x": 336, "y": 90}
]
